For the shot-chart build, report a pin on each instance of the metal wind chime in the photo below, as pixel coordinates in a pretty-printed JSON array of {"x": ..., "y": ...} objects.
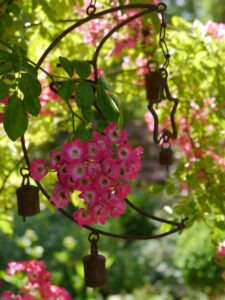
[{"x": 157, "y": 90}]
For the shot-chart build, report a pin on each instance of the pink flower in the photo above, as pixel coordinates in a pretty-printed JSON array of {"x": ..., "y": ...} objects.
[
  {"x": 114, "y": 135},
  {"x": 92, "y": 149},
  {"x": 37, "y": 284},
  {"x": 84, "y": 182},
  {"x": 89, "y": 195},
  {"x": 61, "y": 196},
  {"x": 101, "y": 140},
  {"x": 83, "y": 217},
  {"x": 100, "y": 213},
  {"x": 124, "y": 152},
  {"x": 28, "y": 297},
  {"x": 96, "y": 169},
  {"x": 63, "y": 172},
  {"x": 7, "y": 295},
  {"x": 73, "y": 151},
  {"x": 111, "y": 168},
  {"x": 55, "y": 158},
  {"x": 60, "y": 293},
  {"x": 1, "y": 117},
  {"x": 122, "y": 190},
  {"x": 36, "y": 272},
  {"x": 15, "y": 267},
  {"x": 221, "y": 251},
  {"x": 38, "y": 169},
  {"x": 77, "y": 170},
  {"x": 93, "y": 168},
  {"x": 117, "y": 208},
  {"x": 5, "y": 100},
  {"x": 104, "y": 182}
]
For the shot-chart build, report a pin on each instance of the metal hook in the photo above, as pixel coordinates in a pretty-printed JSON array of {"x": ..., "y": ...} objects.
[{"x": 161, "y": 7}]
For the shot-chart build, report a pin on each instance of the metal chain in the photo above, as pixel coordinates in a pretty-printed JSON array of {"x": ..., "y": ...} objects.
[
  {"x": 163, "y": 44},
  {"x": 166, "y": 134},
  {"x": 91, "y": 8}
]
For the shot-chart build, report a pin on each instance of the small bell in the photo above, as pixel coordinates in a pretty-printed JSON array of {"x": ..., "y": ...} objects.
[
  {"x": 154, "y": 84},
  {"x": 165, "y": 156},
  {"x": 94, "y": 266},
  {"x": 27, "y": 199}
]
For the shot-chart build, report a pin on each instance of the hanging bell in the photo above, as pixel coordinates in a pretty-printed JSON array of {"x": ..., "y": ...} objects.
[
  {"x": 94, "y": 267},
  {"x": 154, "y": 84},
  {"x": 27, "y": 199},
  {"x": 165, "y": 156}
]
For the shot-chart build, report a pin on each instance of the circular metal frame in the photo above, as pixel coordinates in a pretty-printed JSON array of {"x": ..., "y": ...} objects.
[{"x": 148, "y": 8}]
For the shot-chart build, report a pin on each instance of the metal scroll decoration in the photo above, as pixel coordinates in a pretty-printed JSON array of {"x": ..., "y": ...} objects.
[{"x": 156, "y": 84}]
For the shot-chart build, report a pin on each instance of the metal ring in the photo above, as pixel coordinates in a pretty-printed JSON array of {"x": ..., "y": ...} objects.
[
  {"x": 24, "y": 175},
  {"x": 161, "y": 7},
  {"x": 164, "y": 72},
  {"x": 92, "y": 234},
  {"x": 93, "y": 9}
]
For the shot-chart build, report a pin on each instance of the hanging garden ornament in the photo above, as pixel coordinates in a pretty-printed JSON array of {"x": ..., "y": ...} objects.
[
  {"x": 98, "y": 167},
  {"x": 94, "y": 264},
  {"x": 157, "y": 90},
  {"x": 27, "y": 197}
]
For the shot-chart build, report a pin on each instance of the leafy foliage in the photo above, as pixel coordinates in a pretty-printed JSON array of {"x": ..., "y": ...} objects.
[{"x": 196, "y": 185}]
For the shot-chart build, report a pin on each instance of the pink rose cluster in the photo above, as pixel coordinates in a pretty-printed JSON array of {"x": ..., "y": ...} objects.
[
  {"x": 96, "y": 168},
  {"x": 37, "y": 285},
  {"x": 220, "y": 257}
]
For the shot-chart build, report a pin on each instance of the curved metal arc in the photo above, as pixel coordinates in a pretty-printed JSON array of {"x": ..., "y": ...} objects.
[
  {"x": 150, "y": 8},
  {"x": 180, "y": 226},
  {"x": 149, "y": 215},
  {"x": 110, "y": 33},
  {"x": 156, "y": 123}
]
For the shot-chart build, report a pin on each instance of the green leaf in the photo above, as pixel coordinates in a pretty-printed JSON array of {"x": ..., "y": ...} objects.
[
  {"x": 5, "y": 68},
  {"x": 102, "y": 81},
  {"x": 118, "y": 104},
  {"x": 26, "y": 67},
  {"x": 156, "y": 188},
  {"x": 2, "y": 29},
  {"x": 15, "y": 9},
  {"x": 8, "y": 20},
  {"x": 4, "y": 55},
  {"x": 101, "y": 126},
  {"x": 108, "y": 108},
  {"x": 32, "y": 105},
  {"x": 34, "y": 4},
  {"x": 84, "y": 95},
  {"x": 121, "y": 2},
  {"x": 155, "y": 20},
  {"x": 170, "y": 189},
  {"x": 82, "y": 68},
  {"x": 83, "y": 133},
  {"x": 87, "y": 113},
  {"x": 15, "y": 61},
  {"x": 67, "y": 89},
  {"x": 49, "y": 11},
  {"x": 29, "y": 85},
  {"x": 4, "y": 90},
  {"x": 15, "y": 118},
  {"x": 67, "y": 65}
]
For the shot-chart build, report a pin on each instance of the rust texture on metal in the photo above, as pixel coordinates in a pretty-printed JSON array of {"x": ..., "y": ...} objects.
[
  {"x": 166, "y": 157},
  {"x": 27, "y": 197},
  {"x": 146, "y": 9},
  {"x": 94, "y": 264}
]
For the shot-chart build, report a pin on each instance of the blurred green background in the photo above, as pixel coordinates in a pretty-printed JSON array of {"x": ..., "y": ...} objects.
[{"x": 178, "y": 267}]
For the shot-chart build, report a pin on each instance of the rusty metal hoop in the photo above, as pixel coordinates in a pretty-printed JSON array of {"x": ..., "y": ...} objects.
[{"x": 148, "y": 9}]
